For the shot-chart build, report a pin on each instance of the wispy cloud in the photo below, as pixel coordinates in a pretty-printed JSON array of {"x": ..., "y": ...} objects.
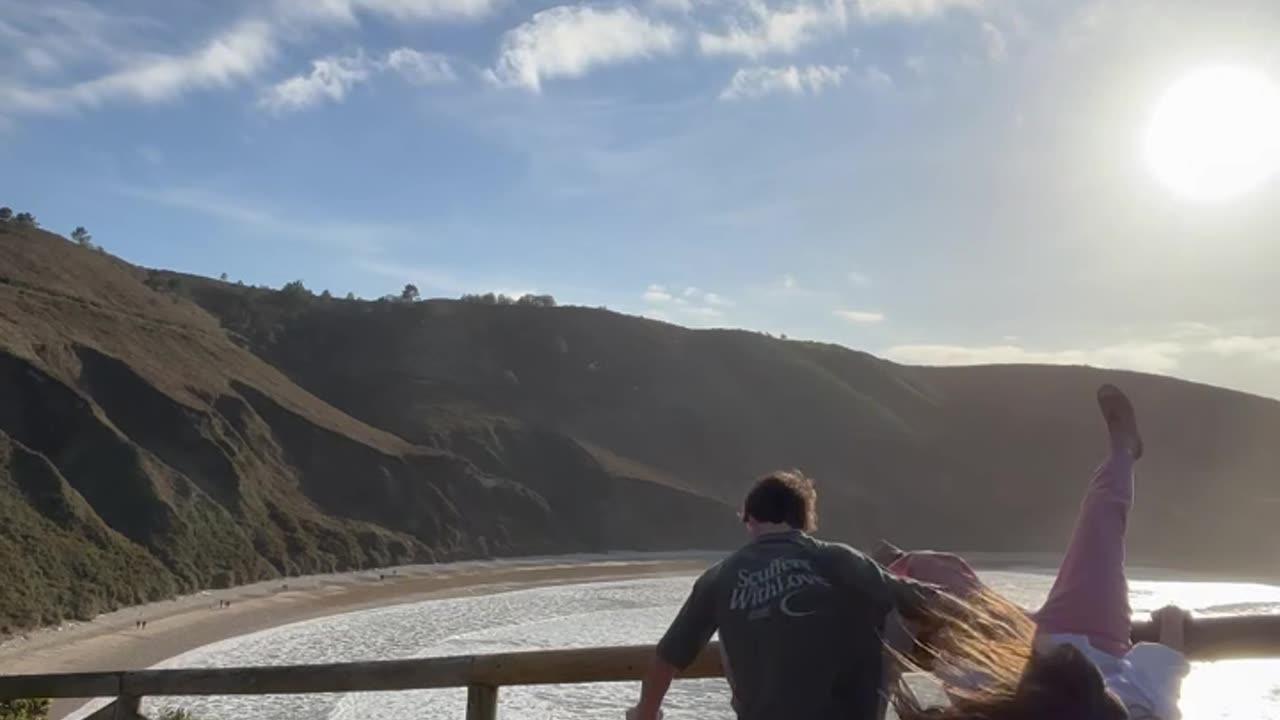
[
  {"x": 568, "y": 41},
  {"x": 873, "y": 10},
  {"x": 761, "y": 30},
  {"x": 758, "y": 82},
  {"x": 657, "y": 294},
  {"x": 1156, "y": 357},
  {"x": 696, "y": 295},
  {"x": 332, "y": 77},
  {"x": 1262, "y": 348},
  {"x": 48, "y": 37},
  {"x": 348, "y": 11},
  {"x": 421, "y": 68},
  {"x": 994, "y": 43},
  {"x": 43, "y": 38},
  {"x": 858, "y": 279},
  {"x": 232, "y": 56},
  {"x": 861, "y": 317},
  {"x": 692, "y": 305},
  {"x": 364, "y": 237}
]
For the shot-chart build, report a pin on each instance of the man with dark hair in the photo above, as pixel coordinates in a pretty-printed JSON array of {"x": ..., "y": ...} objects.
[{"x": 800, "y": 620}]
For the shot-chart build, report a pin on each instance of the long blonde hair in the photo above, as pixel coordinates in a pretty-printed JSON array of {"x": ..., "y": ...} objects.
[{"x": 984, "y": 657}]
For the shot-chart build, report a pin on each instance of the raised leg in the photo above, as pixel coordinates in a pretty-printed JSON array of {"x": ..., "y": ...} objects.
[{"x": 1090, "y": 596}]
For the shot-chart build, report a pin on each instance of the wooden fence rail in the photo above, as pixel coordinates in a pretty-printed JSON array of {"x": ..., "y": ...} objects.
[{"x": 1207, "y": 639}]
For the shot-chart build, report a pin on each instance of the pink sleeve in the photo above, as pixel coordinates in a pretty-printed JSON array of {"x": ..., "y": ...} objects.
[{"x": 945, "y": 570}]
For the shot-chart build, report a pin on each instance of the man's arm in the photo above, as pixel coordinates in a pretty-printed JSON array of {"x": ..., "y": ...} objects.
[
  {"x": 653, "y": 689},
  {"x": 917, "y": 601},
  {"x": 912, "y": 599},
  {"x": 679, "y": 647}
]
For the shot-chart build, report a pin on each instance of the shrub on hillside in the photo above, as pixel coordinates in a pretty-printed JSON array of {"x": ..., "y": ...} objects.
[
  {"x": 537, "y": 300},
  {"x": 30, "y": 709},
  {"x": 410, "y": 293},
  {"x": 26, "y": 219},
  {"x": 295, "y": 290},
  {"x": 6, "y": 214},
  {"x": 82, "y": 236}
]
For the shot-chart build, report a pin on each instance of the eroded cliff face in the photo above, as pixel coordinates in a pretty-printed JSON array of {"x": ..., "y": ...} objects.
[{"x": 161, "y": 433}]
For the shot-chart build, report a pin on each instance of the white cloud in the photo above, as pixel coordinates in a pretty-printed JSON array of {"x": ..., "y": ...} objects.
[
  {"x": 767, "y": 30},
  {"x": 861, "y": 317},
  {"x": 691, "y": 305},
  {"x": 789, "y": 281},
  {"x": 873, "y": 10},
  {"x": 873, "y": 78},
  {"x": 758, "y": 82},
  {"x": 421, "y": 68},
  {"x": 330, "y": 78},
  {"x": 1263, "y": 348},
  {"x": 568, "y": 41},
  {"x": 994, "y": 43},
  {"x": 347, "y": 11},
  {"x": 657, "y": 294},
  {"x": 858, "y": 279},
  {"x": 235, "y": 55},
  {"x": 701, "y": 297},
  {"x": 1155, "y": 357}
]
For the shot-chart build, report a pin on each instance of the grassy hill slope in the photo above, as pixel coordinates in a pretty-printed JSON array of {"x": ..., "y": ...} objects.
[
  {"x": 162, "y": 432},
  {"x": 140, "y": 440},
  {"x": 991, "y": 458}
]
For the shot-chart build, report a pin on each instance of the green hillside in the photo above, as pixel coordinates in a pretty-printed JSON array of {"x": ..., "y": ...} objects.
[{"x": 162, "y": 432}]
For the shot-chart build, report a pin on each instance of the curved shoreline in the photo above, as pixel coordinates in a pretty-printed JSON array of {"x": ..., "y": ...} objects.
[{"x": 113, "y": 642}]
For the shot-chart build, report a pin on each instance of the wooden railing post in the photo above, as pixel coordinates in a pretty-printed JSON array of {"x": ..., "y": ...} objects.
[
  {"x": 482, "y": 702},
  {"x": 129, "y": 707}
]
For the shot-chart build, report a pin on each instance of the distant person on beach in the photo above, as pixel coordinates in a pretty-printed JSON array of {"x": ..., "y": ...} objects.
[
  {"x": 1074, "y": 657},
  {"x": 800, "y": 620}
]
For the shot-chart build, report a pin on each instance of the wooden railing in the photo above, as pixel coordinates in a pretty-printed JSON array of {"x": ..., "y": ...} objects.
[{"x": 482, "y": 675}]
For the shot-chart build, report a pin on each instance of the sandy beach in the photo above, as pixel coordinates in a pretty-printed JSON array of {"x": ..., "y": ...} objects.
[{"x": 114, "y": 642}]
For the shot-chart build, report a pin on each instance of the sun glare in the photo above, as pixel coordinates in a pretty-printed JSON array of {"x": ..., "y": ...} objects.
[{"x": 1216, "y": 133}]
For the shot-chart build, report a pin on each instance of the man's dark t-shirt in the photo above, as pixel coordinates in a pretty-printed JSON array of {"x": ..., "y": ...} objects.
[{"x": 800, "y": 622}]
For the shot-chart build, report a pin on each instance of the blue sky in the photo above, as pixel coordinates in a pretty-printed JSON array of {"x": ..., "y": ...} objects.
[{"x": 935, "y": 181}]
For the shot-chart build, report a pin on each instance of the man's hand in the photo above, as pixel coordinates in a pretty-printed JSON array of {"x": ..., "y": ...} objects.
[
  {"x": 1172, "y": 621},
  {"x": 634, "y": 714}
]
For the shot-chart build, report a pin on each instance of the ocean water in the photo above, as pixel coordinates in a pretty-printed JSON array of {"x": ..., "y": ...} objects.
[{"x": 627, "y": 612}]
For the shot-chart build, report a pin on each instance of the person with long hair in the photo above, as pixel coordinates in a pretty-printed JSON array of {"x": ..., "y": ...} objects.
[{"x": 1073, "y": 658}]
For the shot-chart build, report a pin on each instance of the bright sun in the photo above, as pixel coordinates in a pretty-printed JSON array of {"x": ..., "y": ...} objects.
[{"x": 1216, "y": 133}]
